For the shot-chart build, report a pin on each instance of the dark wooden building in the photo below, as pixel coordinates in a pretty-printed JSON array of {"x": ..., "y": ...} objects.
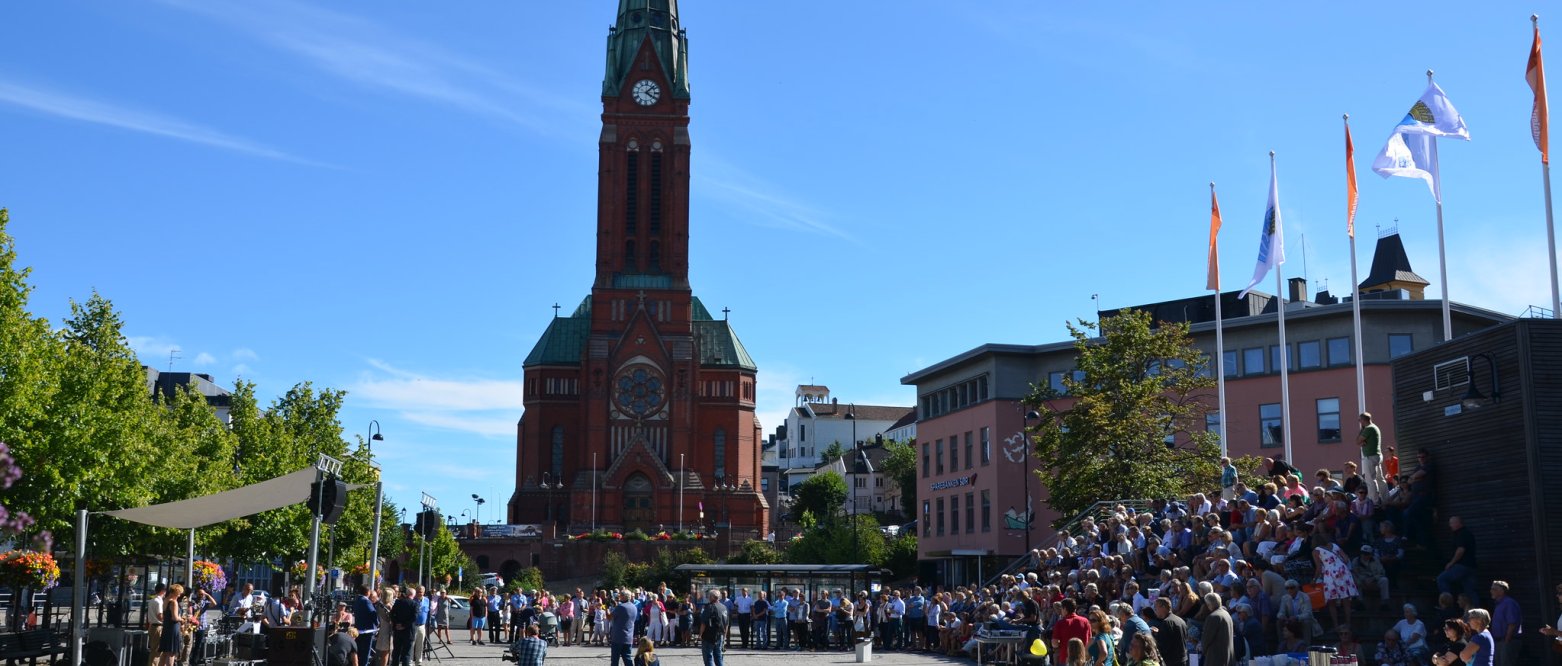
[{"x": 1488, "y": 407}]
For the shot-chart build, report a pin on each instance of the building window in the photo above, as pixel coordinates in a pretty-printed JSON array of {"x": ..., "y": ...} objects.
[
  {"x": 927, "y": 518},
  {"x": 1253, "y": 361},
  {"x": 1328, "y": 419},
  {"x": 926, "y": 459},
  {"x": 1229, "y": 364},
  {"x": 1309, "y": 355},
  {"x": 721, "y": 453},
  {"x": 938, "y": 515},
  {"x": 1212, "y": 422},
  {"x": 1399, "y": 344},
  {"x": 802, "y": 432},
  {"x": 631, "y": 263},
  {"x": 878, "y": 482},
  {"x": 954, "y": 454},
  {"x": 1270, "y": 425},
  {"x": 987, "y": 511},
  {"x": 1055, "y": 382},
  {"x": 558, "y": 452},
  {"x": 654, "y": 261},
  {"x": 987, "y": 448},
  {"x": 954, "y": 515},
  {"x": 656, "y": 191},
  {"x": 938, "y": 457},
  {"x": 969, "y": 445},
  {"x": 632, "y": 188},
  {"x": 859, "y": 482},
  {"x": 1275, "y": 360},
  {"x": 764, "y": 485},
  {"x": 1339, "y": 351},
  {"x": 970, "y": 513}
]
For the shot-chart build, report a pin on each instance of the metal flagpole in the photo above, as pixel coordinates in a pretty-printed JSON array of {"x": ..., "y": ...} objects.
[
  {"x": 680, "y": 493},
  {"x": 1545, "y": 171},
  {"x": 1442, "y": 252},
  {"x": 1220, "y": 342},
  {"x": 1355, "y": 301},
  {"x": 1285, "y": 362},
  {"x": 79, "y": 590}
]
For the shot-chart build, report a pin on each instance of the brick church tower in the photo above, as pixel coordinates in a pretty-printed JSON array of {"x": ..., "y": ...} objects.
[{"x": 639, "y": 391}]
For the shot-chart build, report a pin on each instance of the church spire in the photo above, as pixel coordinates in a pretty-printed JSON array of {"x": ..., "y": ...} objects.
[{"x": 639, "y": 20}]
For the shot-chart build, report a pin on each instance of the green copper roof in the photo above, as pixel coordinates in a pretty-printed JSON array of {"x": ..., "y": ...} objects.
[
  {"x": 637, "y": 20},
  {"x": 564, "y": 340},
  {"x": 720, "y": 347},
  {"x": 700, "y": 313}
]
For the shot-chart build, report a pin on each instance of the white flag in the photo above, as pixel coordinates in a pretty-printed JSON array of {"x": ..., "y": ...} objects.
[
  {"x": 1271, "y": 243},
  {"x": 1433, "y": 114},
  {"x": 1409, "y": 156}
]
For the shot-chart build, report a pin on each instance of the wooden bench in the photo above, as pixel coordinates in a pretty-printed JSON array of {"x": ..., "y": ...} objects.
[{"x": 30, "y": 645}]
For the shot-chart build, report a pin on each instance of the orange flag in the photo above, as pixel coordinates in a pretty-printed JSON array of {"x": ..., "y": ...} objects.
[
  {"x": 1535, "y": 74},
  {"x": 1213, "y": 281},
  {"x": 1350, "y": 184}
]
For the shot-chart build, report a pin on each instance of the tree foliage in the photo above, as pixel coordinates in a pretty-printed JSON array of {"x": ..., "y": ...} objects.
[
  {"x": 618, "y": 572},
  {"x": 756, "y": 552},
  {"x": 822, "y": 495},
  {"x": 835, "y": 543},
  {"x": 901, "y": 466},
  {"x": 77, "y": 415},
  {"x": 832, "y": 452},
  {"x": 1141, "y": 384}
]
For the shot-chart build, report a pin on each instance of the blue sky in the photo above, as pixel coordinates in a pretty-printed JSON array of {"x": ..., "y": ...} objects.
[{"x": 389, "y": 197}]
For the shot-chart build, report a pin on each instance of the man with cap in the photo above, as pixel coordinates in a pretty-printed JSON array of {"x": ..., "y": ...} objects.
[{"x": 1370, "y": 575}]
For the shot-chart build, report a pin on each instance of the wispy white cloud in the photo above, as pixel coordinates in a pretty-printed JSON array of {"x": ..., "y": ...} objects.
[
  {"x": 150, "y": 348},
  {"x": 487, "y": 407},
  {"x": 370, "y": 55},
  {"x": 245, "y": 354},
  {"x": 240, "y": 370},
  {"x": 204, "y": 359},
  {"x": 99, "y": 112},
  {"x": 761, "y": 202}
]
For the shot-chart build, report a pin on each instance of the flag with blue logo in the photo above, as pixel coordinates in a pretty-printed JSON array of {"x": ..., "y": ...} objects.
[
  {"x": 1271, "y": 243},
  {"x": 1409, "y": 152}
]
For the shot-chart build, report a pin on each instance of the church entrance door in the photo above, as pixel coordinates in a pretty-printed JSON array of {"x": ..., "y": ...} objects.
[{"x": 638, "y": 511}]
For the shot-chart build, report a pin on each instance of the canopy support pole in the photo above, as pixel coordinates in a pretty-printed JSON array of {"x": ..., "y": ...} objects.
[
  {"x": 79, "y": 588},
  {"x": 189, "y": 563}
]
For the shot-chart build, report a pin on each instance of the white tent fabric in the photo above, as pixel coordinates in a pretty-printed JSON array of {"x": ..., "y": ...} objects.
[{"x": 187, "y": 514}]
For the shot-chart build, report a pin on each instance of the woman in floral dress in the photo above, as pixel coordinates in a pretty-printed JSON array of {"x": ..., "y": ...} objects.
[{"x": 1333, "y": 568}]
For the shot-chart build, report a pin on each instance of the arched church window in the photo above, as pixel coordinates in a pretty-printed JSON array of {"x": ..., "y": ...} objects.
[
  {"x": 558, "y": 453},
  {"x": 632, "y": 188},
  {"x": 721, "y": 453},
  {"x": 655, "y": 258},
  {"x": 631, "y": 263},
  {"x": 656, "y": 189}
]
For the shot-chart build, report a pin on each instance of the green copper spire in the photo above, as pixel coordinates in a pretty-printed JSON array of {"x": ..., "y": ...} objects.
[{"x": 637, "y": 21}]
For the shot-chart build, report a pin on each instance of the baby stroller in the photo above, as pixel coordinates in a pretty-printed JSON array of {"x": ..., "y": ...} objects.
[{"x": 548, "y": 628}]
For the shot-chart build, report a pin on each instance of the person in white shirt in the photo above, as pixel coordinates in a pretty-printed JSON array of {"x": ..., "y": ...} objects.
[
  {"x": 153, "y": 619},
  {"x": 744, "y": 604}
]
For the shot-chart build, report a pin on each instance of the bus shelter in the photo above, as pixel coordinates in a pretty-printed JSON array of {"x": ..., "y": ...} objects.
[{"x": 810, "y": 578}]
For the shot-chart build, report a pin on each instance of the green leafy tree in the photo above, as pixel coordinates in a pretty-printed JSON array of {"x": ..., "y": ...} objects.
[
  {"x": 756, "y": 552},
  {"x": 900, "y": 555},
  {"x": 832, "y": 452},
  {"x": 901, "y": 467},
  {"x": 822, "y": 495},
  {"x": 28, "y": 380},
  {"x": 836, "y": 544},
  {"x": 1141, "y": 385}
]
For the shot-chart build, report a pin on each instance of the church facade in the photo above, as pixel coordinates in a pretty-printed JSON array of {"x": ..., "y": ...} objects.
[{"x": 639, "y": 404}]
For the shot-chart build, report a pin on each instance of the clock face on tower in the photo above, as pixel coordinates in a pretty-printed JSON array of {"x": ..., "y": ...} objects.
[
  {"x": 640, "y": 392},
  {"x": 646, "y": 92}
]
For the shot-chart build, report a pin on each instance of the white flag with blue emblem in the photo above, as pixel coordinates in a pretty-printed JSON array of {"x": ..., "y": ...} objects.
[
  {"x": 1271, "y": 243},
  {"x": 1409, "y": 152}
]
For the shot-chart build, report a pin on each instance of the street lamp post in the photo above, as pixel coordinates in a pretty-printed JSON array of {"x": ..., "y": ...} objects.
[
  {"x": 851, "y": 415},
  {"x": 379, "y": 504},
  {"x": 477, "y": 514},
  {"x": 681, "y": 469},
  {"x": 1025, "y": 475}
]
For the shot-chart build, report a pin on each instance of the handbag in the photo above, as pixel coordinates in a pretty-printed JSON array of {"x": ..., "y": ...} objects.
[{"x": 859, "y": 626}]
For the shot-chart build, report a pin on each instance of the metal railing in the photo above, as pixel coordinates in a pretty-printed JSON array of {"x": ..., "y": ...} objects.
[
  {"x": 1537, "y": 312},
  {"x": 1098, "y": 512}
]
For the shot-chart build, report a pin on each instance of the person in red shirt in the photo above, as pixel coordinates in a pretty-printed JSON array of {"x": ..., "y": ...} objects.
[
  {"x": 1391, "y": 464},
  {"x": 1069, "y": 626}
]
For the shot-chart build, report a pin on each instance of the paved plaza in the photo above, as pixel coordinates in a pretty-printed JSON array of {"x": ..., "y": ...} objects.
[{"x": 488, "y": 655}]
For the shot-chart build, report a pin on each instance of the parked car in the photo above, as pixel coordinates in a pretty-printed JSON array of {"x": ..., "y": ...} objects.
[{"x": 460, "y": 611}]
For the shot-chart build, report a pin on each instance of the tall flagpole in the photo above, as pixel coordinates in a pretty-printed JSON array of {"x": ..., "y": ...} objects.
[
  {"x": 1285, "y": 363},
  {"x": 1543, "y": 142},
  {"x": 1220, "y": 338},
  {"x": 1355, "y": 301},
  {"x": 1442, "y": 251}
]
